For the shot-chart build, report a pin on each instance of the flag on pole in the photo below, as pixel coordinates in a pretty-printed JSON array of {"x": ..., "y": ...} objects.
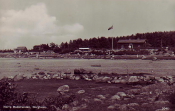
[{"x": 110, "y": 27}]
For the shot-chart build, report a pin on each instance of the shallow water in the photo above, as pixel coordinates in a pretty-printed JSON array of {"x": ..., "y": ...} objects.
[{"x": 10, "y": 66}]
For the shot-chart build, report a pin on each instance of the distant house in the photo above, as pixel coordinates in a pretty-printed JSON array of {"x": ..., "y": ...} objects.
[
  {"x": 131, "y": 44},
  {"x": 20, "y": 49}
]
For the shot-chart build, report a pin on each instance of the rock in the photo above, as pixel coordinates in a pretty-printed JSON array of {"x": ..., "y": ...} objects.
[
  {"x": 66, "y": 107},
  {"x": 67, "y": 71},
  {"x": 154, "y": 58},
  {"x": 134, "y": 91},
  {"x": 18, "y": 77},
  {"x": 98, "y": 100},
  {"x": 85, "y": 100},
  {"x": 79, "y": 71},
  {"x": 116, "y": 81},
  {"x": 123, "y": 107},
  {"x": 164, "y": 109},
  {"x": 81, "y": 91},
  {"x": 62, "y": 75},
  {"x": 75, "y": 103},
  {"x": 75, "y": 109},
  {"x": 115, "y": 97},
  {"x": 99, "y": 79},
  {"x": 102, "y": 97},
  {"x": 111, "y": 107},
  {"x": 83, "y": 106},
  {"x": 121, "y": 94},
  {"x": 63, "y": 89},
  {"x": 145, "y": 104},
  {"x": 85, "y": 76},
  {"x": 106, "y": 79},
  {"x": 55, "y": 76},
  {"x": 41, "y": 73},
  {"x": 162, "y": 102},
  {"x": 133, "y": 79},
  {"x": 133, "y": 104},
  {"x": 77, "y": 78},
  {"x": 123, "y": 81}
]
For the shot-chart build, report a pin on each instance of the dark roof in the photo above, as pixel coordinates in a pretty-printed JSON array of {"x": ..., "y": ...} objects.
[
  {"x": 21, "y": 48},
  {"x": 132, "y": 41}
]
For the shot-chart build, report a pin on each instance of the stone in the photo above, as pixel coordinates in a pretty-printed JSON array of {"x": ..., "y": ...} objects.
[
  {"x": 99, "y": 79},
  {"x": 102, "y": 97},
  {"x": 111, "y": 107},
  {"x": 75, "y": 103},
  {"x": 41, "y": 73},
  {"x": 83, "y": 106},
  {"x": 66, "y": 107},
  {"x": 81, "y": 91},
  {"x": 123, "y": 107},
  {"x": 63, "y": 89},
  {"x": 134, "y": 91},
  {"x": 133, "y": 104},
  {"x": 18, "y": 77},
  {"x": 121, "y": 94},
  {"x": 162, "y": 102},
  {"x": 75, "y": 109},
  {"x": 115, "y": 97},
  {"x": 144, "y": 104},
  {"x": 133, "y": 79},
  {"x": 98, "y": 100},
  {"x": 106, "y": 79},
  {"x": 55, "y": 76},
  {"x": 77, "y": 78}
]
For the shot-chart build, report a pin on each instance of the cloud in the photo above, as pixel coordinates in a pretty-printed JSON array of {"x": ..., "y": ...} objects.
[{"x": 33, "y": 26}]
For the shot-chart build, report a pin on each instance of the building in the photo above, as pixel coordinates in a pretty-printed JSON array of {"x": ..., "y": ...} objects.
[
  {"x": 85, "y": 49},
  {"x": 131, "y": 44},
  {"x": 20, "y": 49}
]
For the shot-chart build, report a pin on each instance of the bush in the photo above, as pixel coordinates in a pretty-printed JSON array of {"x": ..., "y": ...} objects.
[
  {"x": 10, "y": 97},
  {"x": 171, "y": 98},
  {"x": 7, "y": 92}
]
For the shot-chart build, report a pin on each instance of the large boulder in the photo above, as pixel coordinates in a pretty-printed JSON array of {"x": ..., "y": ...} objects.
[{"x": 63, "y": 89}]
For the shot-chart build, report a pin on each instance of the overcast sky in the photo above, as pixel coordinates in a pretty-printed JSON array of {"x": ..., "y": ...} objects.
[{"x": 33, "y": 22}]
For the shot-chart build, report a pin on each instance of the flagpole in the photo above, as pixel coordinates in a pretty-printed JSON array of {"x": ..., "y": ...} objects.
[
  {"x": 112, "y": 43},
  {"x": 112, "y": 37}
]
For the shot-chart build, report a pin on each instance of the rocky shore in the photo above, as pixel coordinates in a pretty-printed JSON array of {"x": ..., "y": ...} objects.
[{"x": 147, "y": 92}]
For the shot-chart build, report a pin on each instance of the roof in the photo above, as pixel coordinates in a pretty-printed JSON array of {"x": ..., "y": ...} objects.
[
  {"x": 21, "y": 48},
  {"x": 84, "y": 48},
  {"x": 132, "y": 41}
]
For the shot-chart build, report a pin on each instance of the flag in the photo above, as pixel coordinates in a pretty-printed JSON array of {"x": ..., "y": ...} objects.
[{"x": 110, "y": 27}]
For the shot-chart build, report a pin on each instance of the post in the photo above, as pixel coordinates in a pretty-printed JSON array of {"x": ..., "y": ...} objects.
[
  {"x": 112, "y": 43},
  {"x": 161, "y": 42}
]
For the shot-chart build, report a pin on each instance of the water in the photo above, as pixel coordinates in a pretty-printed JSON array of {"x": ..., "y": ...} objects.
[{"x": 10, "y": 66}]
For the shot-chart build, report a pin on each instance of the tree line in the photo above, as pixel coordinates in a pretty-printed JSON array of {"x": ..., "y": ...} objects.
[{"x": 155, "y": 39}]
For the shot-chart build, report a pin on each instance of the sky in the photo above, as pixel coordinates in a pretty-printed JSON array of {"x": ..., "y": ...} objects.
[{"x": 34, "y": 22}]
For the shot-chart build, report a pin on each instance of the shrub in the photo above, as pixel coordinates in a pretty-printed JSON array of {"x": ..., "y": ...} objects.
[
  {"x": 7, "y": 92},
  {"x": 171, "y": 98},
  {"x": 10, "y": 97}
]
